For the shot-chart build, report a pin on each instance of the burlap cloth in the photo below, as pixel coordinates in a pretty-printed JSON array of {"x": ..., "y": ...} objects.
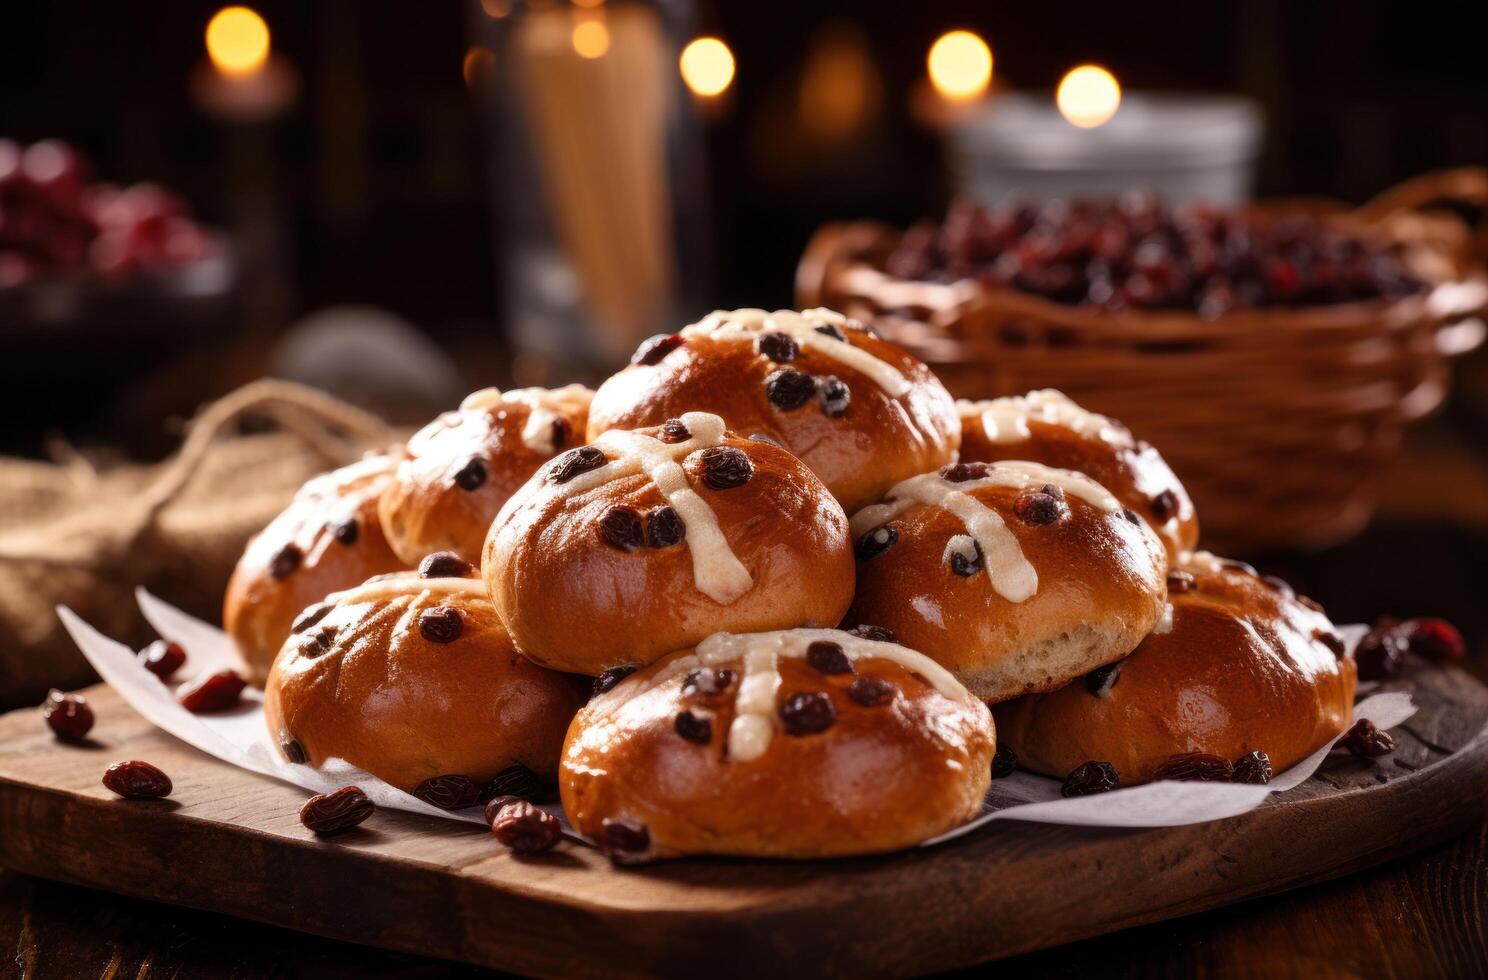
[{"x": 70, "y": 535}]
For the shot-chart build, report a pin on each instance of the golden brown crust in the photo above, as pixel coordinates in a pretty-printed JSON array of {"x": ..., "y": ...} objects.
[
  {"x": 877, "y": 441},
  {"x": 302, "y": 543},
  {"x": 458, "y": 470},
  {"x": 1241, "y": 670},
  {"x": 1130, "y": 468},
  {"x": 379, "y": 694},
  {"x": 879, "y": 778},
  {"x": 575, "y": 603}
]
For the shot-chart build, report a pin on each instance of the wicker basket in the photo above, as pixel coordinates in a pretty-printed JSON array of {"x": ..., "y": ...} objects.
[{"x": 1278, "y": 421}]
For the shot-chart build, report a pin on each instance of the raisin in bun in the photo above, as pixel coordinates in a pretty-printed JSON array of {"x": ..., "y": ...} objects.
[
  {"x": 459, "y": 469},
  {"x": 646, "y": 542},
  {"x": 859, "y": 411},
  {"x": 1049, "y": 428},
  {"x": 1240, "y": 665},
  {"x": 801, "y": 744},
  {"x": 327, "y": 539},
  {"x": 1014, "y": 575},
  {"x": 412, "y": 677}
]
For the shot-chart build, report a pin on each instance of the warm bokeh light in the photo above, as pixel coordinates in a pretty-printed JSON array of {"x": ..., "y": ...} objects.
[
  {"x": 707, "y": 66},
  {"x": 1088, "y": 96},
  {"x": 496, "y": 9},
  {"x": 237, "y": 40},
  {"x": 591, "y": 38},
  {"x": 478, "y": 64},
  {"x": 960, "y": 65}
]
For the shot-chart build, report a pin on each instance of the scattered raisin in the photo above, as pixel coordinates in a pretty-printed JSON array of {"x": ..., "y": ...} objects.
[
  {"x": 136, "y": 780},
  {"x": 576, "y": 461},
  {"x": 1253, "y": 767},
  {"x": 516, "y": 781},
  {"x": 1381, "y": 653},
  {"x": 694, "y": 727},
  {"x": 1331, "y": 640},
  {"x": 1090, "y": 777},
  {"x": 1038, "y": 508},
  {"x": 292, "y": 750},
  {"x": 621, "y": 529},
  {"x": 623, "y": 838},
  {"x": 826, "y": 657},
  {"x": 444, "y": 564},
  {"x": 789, "y": 389},
  {"x": 870, "y": 692},
  {"x": 442, "y": 624},
  {"x": 311, "y": 616},
  {"x": 967, "y": 566},
  {"x": 317, "y": 644},
  {"x": 560, "y": 433},
  {"x": 1432, "y": 638},
  {"x": 653, "y": 349},
  {"x": 964, "y": 472},
  {"x": 163, "y": 658},
  {"x": 1202, "y": 767},
  {"x": 494, "y": 805},
  {"x": 1180, "y": 582},
  {"x": 835, "y": 396},
  {"x": 330, "y": 813},
  {"x": 285, "y": 561},
  {"x": 807, "y": 713},
  {"x": 473, "y": 475},
  {"x": 876, "y": 542},
  {"x": 614, "y": 675},
  {"x": 707, "y": 681},
  {"x": 448, "y": 792},
  {"x": 68, "y": 715},
  {"x": 526, "y": 829},
  {"x": 831, "y": 330},
  {"x": 674, "y": 431},
  {"x": 1366, "y": 741},
  {"x": 880, "y": 634},
  {"x": 778, "y": 347},
  {"x": 1003, "y": 763},
  {"x": 1165, "y": 505},
  {"x": 1100, "y": 680},
  {"x": 726, "y": 467},
  {"x": 212, "y": 692},
  {"x": 1131, "y": 516},
  {"x": 664, "y": 528}
]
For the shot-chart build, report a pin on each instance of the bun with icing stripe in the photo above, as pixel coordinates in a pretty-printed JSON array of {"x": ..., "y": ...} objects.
[
  {"x": 646, "y": 542},
  {"x": 1047, "y": 427},
  {"x": 1015, "y": 576},
  {"x": 800, "y": 744},
  {"x": 414, "y": 680},
  {"x": 459, "y": 469},
  {"x": 328, "y": 538},
  {"x": 859, "y": 411},
  {"x": 1241, "y": 666}
]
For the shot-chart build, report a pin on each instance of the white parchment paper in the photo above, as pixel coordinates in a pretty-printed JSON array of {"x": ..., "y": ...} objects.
[{"x": 240, "y": 737}]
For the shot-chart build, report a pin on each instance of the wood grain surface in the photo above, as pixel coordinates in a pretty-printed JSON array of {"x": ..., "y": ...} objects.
[{"x": 229, "y": 841}]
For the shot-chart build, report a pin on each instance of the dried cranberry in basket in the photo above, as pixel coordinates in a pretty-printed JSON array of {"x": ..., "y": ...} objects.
[
  {"x": 68, "y": 715},
  {"x": 1203, "y": 767},
  {"x": 212, "y": 692},
  {"x": 1432, "y": 638},
  {"x": 449, "y": 792},
  {"x": 789, "y": 389},
  {"x": 330, "y": 813},
  {"x": 1366, "y": 741},
  {"x": 1253, "y": 767},
  {"x": 163, "y": 658},
  {"x": 1090, "y": 777},
  {"x": 136, "y": 780},
  {"x": 526, "y": 829}
]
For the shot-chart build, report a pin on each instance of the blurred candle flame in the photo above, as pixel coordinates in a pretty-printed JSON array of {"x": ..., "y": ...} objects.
[
  {"x": 591, "y": 36},
  {"x": 960, "y": 65},
  {"x": 237, "y": 41},
  {"x": 1088, "y": 96},
  {"x": 707, "y": 66}
]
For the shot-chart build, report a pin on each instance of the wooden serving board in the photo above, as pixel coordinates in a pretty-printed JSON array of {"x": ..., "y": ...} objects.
[{"x": 230, "y": 841}]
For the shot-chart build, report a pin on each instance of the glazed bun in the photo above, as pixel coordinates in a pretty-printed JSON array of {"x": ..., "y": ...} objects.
[
  {"x": 457, "y": 471},
  {"x": 1046, "y": 427},
  {"x": 797, "y": 744},
  {"x": 1241, "y": 666},
  {"x": 412, "y": 678},
  {"x": 1015, "y": 576},
  {"x": 327, "y": 539},
  {"x": 859, "y": 411},
  {"x": 646, "y": 542}
]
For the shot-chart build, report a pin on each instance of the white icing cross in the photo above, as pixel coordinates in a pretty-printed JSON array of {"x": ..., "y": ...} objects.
[
  {"x": 400, "y": 584},
  {"x": 1011, "y": 574},
  {"x": 801, "y": 327},
  {"x": 716, "y": 571},
  {"x": 545, "y": 406},
  {"x": 1005, "y": 420}
]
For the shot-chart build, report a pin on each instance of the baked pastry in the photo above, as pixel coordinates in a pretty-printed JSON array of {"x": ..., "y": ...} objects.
[
  {"x": 1049, "y": 428},
  {"x": 327, "y": 539},
  {"x": 646, "y": 542},
  {"x": 801, "y": 743},
  {"x": 859, "y": 411},
  {"x": 1240, "y": 666},
  {"x": 458, "y": 470},
  {"x": 1016, "y": 576},
  {"x": 413, "y": 678}
]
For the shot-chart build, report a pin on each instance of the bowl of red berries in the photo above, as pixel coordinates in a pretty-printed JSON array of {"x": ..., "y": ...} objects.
[{"x": 1275, "y": 352}]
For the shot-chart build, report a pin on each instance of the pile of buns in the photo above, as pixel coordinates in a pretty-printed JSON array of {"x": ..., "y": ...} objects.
[{"x": 754, "y": 596}]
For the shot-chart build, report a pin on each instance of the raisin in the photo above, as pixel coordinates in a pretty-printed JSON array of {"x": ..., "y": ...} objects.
[
  {"x": 694, "y": 727},
  {"x": 292, "y": 750},
  {"x": 664, "y": 528},
  {"x": 1165, "y": 506},
  {"x": 494, "y": 805},
  {"x": 136, "y": 780},
  {"x": 1381, "y": 653},
  {"x": 674, "y": 431},
  {"x": 1100, "y": 680},
  {"x": 331, "y": 813},
  {"x": 1090, "y": 777},
  {"x": 317, "y": 644},
  {"x": 964, "y": 472},
  {"x": 614, "y": 675},
  {"x": 778, "y": 347},
  {"x": 1202, "y": 767},
  {"x": 163, "y": 658},
  {"x": 726, "y": 467},
  {"x": 826, "y": 657},
  {"x": 1038, "y": 508},
  {"x": 68, "y": 715},
  {"x": 1004, "y": 762},
  {"x": 444, "y": 564},
  {"x": 870, "y": 692},
  {"x": 442, "y": 624},
  {"x": 789, "y": 389},
  {"x": 876, "y": 542},
  {"x": 1432, "y": 638},
  {"x": 212, "y": 692},
  {"x": 473, "y": 475},
  {"x": 285, "y": 561},
  {"x": 879, "y": 634},
  {"x": 448, "y": 792},
  {"x": 516, "y": 781},
  {"x": 621, "y": 529},
  {"x": 835, "y": 396},
  {"x": 526, "y": 829},
  {"x": 653, "y": 349},
  {"x": 1180, "y": 582},
  {"x": 807, "y": 713},
  {"x": 623, "y": 838},
  {"x": 576, "y": 461},
  {"x": 1131, "y": 516},
  {"x": 346, "y": 532},
  {"x": 1366, "y": 741},
  {"x": 560, "y": 433},
  {"x": 311, "y": 616},
  {"x": 1253, "y": 767},
  {"x": 1332, "y": 641},
  {"x": 831, "y": 331},
  {"x": 707, "y": 681},
  {"x": 967, "y": 566}
]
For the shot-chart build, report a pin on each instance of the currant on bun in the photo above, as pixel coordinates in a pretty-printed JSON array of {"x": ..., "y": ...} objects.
[
  {"x": 859, "y": 411},
  {"x": 801, "y": 743}
]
